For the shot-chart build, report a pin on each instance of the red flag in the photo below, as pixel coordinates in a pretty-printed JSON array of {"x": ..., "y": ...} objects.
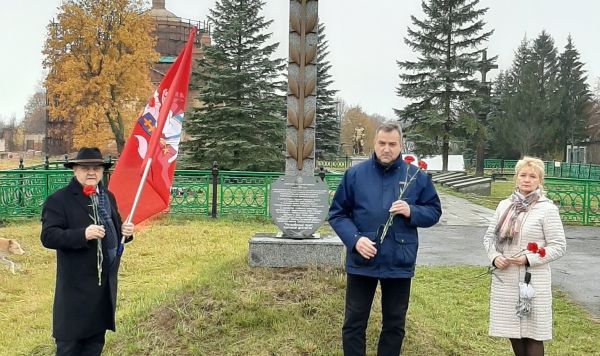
[{"x": 164, "y": 114}]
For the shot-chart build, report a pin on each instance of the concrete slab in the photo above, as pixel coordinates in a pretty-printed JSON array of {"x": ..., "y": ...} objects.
[
  {"x": 449, "y": 177},
  {"x": 267, "y": 250},
  {"x": 357, "y": 159},
  {"x": 472, "y": 180},
  {"x": 481, "y": 186},
  {"x": 444, "y": 174},
  {"x": 464, "y": 179}
]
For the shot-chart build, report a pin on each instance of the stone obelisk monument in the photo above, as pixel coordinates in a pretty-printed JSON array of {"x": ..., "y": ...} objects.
[
  {"x": 302, "y": 88},
  {"x": 298, "y": 201}
]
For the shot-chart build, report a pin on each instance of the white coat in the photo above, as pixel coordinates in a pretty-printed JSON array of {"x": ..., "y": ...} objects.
[{"x": 543, "y": 226}]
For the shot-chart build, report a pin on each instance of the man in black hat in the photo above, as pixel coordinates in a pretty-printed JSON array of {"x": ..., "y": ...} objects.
[{"x": 81, "y": 222}]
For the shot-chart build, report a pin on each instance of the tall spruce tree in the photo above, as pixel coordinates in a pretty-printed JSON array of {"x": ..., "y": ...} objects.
[
  {"x": 328, "y": 129},
  {"x": 516, "y": 127},
  {"x": 574, "y": 97},
  {"x": 447, "y": 42},
  {"x": 241, "y": 123},
  {"x": 546, "y": 104}
]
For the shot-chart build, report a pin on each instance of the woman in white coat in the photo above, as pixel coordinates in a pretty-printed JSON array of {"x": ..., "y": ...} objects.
[{"x": 521, "y": 295}]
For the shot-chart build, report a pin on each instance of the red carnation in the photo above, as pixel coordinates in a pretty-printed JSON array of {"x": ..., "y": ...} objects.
[
  {"x": 89, "y": 190},
  {"x": 532, "y": 247},
  {"x": 423, "y": 165},
  {"x": 409, "y": 159},
  {"x": 542, "y": 252}
]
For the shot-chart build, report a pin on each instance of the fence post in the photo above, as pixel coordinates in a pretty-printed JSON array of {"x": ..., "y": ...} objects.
[
  {"x": 46, "y": 162},
  {"x": 346, "y": 162},
  {"x": 20, "y": 189},
  {"x": 586, "y": 204},
  {"x": 215, "y": 181}
]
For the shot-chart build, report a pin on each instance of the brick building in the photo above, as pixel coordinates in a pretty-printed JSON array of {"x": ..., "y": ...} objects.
[{"x": 171, "y": 33}]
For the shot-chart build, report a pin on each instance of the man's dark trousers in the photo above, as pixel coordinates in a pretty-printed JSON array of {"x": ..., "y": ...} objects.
[{"x": 360, "y": 290}]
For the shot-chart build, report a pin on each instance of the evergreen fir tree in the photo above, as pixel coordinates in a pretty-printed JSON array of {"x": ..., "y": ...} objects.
[
  {"x": 436, "y": 83},
  {"x": 574, "y": 96},
  {"x": 515, "y": 124},
  {"x": 546, "y": 104},
  {"x": 241, "y": 124},
  {"x": 328, "y": 129}
]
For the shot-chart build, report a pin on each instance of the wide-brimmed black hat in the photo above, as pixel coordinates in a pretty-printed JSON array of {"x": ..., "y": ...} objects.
[{"x": 88, "y": 156}]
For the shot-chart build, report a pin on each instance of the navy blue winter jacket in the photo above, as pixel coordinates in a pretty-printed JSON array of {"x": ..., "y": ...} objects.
[{"x": 361, "y": 206}]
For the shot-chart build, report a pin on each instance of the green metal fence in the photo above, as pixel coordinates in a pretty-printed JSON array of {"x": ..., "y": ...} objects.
[
  {"x": 578, "y": 199},
  {"x": 552, "y": 168},
  {"x": 22, "y": 192}
]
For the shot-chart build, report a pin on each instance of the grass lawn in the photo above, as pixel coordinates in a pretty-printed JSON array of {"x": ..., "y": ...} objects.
[
  {"x": 185, "y": 289},
  {"x": 13, "y": 163}
]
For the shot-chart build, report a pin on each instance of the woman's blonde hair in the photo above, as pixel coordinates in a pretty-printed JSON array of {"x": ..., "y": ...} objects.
[{"x": 536, "y": 164}]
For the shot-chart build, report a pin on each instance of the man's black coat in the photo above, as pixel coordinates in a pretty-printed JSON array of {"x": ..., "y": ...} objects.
[{"x": 82, "y": 308}]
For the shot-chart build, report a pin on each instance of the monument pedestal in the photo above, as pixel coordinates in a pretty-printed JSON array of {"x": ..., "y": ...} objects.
[
  {"x": 267, "y": 250},
  {"x": 357, "y": 159}
]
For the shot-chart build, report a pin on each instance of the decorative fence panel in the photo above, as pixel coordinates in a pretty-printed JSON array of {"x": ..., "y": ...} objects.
[
  {"x": 245, "y": 193},
  {"x": 339, "y": 164},
  {"x": 578, "y": 200},
  {"x": 22, "y": 192},
  {"x": 190, "y": 193}
]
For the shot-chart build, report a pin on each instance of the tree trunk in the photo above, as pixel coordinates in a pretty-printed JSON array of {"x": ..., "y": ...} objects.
[
  {"x": 117, "y": 132},
  {"x": 479, "y": 158},
  {"x": 120, "y": 145},
  {"x": 445, "y": 150}
]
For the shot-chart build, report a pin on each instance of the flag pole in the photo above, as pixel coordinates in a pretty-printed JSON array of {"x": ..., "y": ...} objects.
[
  {"x": 137, "y": 195},
  {"x": 139, "y": 191},
  {"x": 163, "y": 114}
]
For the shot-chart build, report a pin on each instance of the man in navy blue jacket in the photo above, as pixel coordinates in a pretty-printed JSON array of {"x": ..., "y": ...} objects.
[{"x": 366, "y": 196}]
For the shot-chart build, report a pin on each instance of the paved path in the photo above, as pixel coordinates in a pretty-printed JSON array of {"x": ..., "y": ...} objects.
[{"x": 457, "y": 240}]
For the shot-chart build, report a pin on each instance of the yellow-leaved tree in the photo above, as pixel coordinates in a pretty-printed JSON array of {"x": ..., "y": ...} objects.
[
  {"x": 98, "y": 54},
  {"x": 353, "y": 119}
]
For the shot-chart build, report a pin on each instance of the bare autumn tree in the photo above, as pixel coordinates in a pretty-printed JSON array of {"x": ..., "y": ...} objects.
[
  {"x": 34, "y": 119},
  {"x": 98, "y": 55}
]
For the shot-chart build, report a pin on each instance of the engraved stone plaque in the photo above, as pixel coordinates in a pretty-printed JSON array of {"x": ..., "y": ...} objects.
[{"x": 298, "y": 205}]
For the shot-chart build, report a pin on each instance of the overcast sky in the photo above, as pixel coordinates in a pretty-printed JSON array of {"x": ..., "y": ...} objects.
[{"x": 365, "y": 40}]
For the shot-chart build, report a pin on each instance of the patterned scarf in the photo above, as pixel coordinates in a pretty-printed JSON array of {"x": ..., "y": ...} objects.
[
  {"x": 110, "y": 238},
  {"x": 509, "y": 225}
]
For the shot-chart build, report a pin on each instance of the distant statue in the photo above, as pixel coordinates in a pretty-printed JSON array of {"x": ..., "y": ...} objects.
[{"x": 358, "y": 141}]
